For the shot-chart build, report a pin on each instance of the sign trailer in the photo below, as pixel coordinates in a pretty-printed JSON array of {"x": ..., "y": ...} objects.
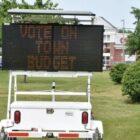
[{"x": 51, "y": 50}]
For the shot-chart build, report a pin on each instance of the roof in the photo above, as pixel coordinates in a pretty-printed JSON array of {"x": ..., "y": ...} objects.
[
  {"x": 50, "y": 12},
  {"x": 109, "y": 23}
]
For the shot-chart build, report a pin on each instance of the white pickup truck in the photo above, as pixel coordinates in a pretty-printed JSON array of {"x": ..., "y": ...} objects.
[{"x": 49, "y": 119}]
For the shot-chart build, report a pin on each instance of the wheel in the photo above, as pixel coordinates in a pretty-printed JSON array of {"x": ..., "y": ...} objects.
[
  {"x": 2, "y": 136},
  {"x": 96, "y": 135},
  {"x": 14, "y": 138}
]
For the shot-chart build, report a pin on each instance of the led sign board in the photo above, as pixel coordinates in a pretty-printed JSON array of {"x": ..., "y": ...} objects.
[{"x": 52, "y": 47}]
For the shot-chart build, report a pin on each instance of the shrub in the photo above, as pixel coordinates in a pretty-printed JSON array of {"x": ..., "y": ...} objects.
[
  {"x": 117, "y": 71},
  {"x": 131, "y": 82}
]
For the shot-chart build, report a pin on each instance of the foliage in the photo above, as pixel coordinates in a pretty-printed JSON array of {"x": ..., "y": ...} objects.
[
  {"x": 38, "y": 4},
  {"x": 131, "y": 82},
  {"x": 46, "y": 5},
  {"x": 117, "y": 72},
  {"x": 9, "y": 4},
  {"x": 4, "y": 6},
  {"x": 133, "y": 44},
  {"x": 125, "y": 31},
  {"x": 0, "y": 37}
]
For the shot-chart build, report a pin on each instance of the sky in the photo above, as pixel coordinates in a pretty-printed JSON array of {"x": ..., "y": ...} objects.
[{"x": 112, "y": 10}]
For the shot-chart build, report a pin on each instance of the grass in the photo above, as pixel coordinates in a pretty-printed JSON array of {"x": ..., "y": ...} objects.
[{"x": 121, "y": 119}]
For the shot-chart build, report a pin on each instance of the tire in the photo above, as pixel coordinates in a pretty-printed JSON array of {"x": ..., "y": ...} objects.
[
  {"x": 2, "y": 136},
  {"x": 14, "y": 138},
  {"x": 96, "y": 135}
]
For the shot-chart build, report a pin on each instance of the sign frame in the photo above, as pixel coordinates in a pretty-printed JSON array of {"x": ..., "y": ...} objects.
[{"x": 52, "y": 57}]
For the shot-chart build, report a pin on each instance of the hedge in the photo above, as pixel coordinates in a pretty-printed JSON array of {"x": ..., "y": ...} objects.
[
  {"x": 117, "y": 71},
  {"x": 131, "y": 82}
]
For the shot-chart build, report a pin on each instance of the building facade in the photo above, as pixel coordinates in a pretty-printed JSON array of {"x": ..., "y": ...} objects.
[{"x": 114, "y": 45}]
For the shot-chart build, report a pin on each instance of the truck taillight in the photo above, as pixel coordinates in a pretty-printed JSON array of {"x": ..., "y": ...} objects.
[
  {"x": 17, "y": 117},
  {"x": 84, "y": 118}
]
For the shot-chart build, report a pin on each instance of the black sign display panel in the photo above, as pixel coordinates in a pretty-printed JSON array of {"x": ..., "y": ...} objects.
[{"x": 52, "y": 47}]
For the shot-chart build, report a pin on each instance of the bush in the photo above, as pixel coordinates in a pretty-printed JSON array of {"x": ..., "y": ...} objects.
[
  {"x": 131, "y": 82},
  {"x": 117, "y": 72}
]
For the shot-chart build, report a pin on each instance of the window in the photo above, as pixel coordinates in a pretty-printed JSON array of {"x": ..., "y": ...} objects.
[
  {"x": 108, "y": 37},
  {"x": 106, "y": 60}
]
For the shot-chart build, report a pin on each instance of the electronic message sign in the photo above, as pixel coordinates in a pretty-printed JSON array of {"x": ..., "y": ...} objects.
[{"x": 53, "y": 47}]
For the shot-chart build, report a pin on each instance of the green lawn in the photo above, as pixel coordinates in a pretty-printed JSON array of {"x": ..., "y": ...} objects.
[{"x": 121, "y": 119}]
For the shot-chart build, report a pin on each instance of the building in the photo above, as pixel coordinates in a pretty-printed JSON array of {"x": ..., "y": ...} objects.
[{"x": 114, "y": 45}]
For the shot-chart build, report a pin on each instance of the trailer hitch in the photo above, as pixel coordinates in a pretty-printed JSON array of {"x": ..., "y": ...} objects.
[{"x": 50, "y": 135}]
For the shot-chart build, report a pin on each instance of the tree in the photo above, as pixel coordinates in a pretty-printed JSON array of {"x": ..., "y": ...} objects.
[
  {"x": 124, "y": 30},
  {"x": 46, "y": 5},
  {"x": 4, "y": 6},
  {"x": 25, "y": 5},
  {"x": 117, "y": 71},
  {"x": 133, "y": 44},
  {"x": 4, "y": 17},
  {"x": 9, "y": 4},
  {"x": 131, "y": 82}
]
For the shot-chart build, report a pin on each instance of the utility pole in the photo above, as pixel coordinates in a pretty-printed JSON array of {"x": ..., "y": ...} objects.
[{"x": 123, "y": 43}]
